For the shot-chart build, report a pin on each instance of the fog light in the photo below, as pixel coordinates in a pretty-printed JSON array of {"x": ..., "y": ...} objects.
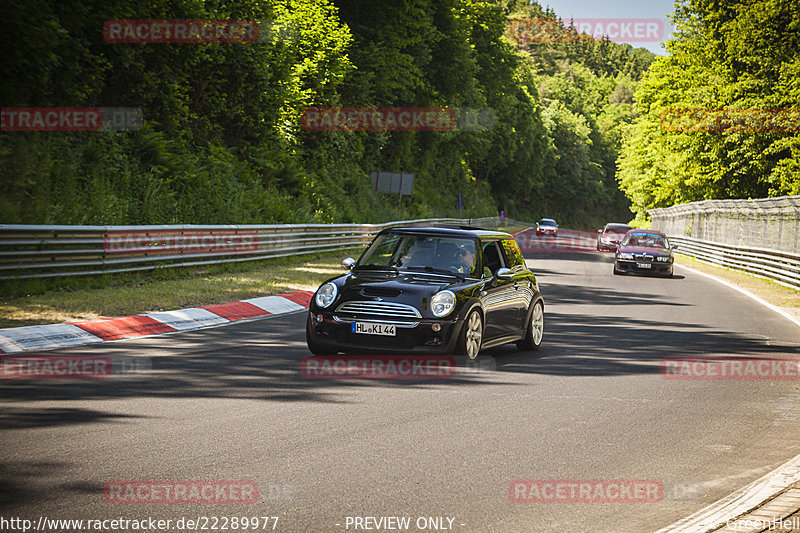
[
  {"x": 318, "y": 318},
  {"x": 436, "y": 326}
]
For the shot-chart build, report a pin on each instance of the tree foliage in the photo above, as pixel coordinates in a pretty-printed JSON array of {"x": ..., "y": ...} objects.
[
  {"x": 222, "y": 141},
  {"x": 737, "y": 55}
]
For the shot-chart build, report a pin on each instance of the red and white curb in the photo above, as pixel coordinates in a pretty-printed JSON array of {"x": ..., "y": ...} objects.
[{"x": 52, "y": 336}]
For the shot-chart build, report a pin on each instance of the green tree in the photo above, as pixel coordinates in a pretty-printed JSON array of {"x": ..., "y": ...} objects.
[{"x": 737, "y": 55}]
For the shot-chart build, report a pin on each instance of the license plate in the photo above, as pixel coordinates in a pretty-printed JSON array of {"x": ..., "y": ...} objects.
[
  {"x": 644, "y": 265},
  {"x": 370, "y": 328}
]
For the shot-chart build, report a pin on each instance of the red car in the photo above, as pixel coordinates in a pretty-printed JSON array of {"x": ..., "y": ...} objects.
[
  {"x": 609, "y": 237},
  {"x": 644, "y": 251}
]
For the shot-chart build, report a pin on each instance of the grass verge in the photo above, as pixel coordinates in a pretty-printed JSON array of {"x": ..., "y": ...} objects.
[
  {"x": 112, "y": 295},
  {"x": 778, "y": 295},
  {"x": 511, "y": 229}
]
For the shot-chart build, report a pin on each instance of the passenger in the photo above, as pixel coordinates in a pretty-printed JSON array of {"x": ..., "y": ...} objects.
[{"x": 422, "y": 254}]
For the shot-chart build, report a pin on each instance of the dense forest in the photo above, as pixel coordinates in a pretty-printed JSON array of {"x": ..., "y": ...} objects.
[
  {"x": 718, "y": 117},
  {"x": 221, "y": 140}
]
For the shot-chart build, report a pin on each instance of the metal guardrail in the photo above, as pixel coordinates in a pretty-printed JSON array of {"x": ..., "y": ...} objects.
[
  {"x": 772, "y": 223},
  {"x": 780, "y": 267},
  {"x": 761, "y": 236},
  {"x": 54, "y": 251}
]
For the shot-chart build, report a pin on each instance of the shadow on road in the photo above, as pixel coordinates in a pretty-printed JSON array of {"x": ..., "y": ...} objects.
[
  {"x": 589, "y": 345},
  {"x": 558, "y": 295},
  {"x": 260, "y": 360},
  {"x": 17, "y": 418}
]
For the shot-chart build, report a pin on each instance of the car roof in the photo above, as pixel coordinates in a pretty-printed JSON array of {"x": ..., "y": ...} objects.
[
  {"x": 547, "y": 220},
  {"x": 646, "y": 232},
  {"x": 470, "y": 233},
  {"x": 617, "y": 225}
]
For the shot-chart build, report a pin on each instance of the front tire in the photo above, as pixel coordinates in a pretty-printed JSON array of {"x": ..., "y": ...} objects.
[
  {"x": 535, "y": 333},
  {"x": 469, "y": 342}
]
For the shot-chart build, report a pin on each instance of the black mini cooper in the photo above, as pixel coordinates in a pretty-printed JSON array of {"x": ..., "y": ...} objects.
[{"x": 429, "y": 290}]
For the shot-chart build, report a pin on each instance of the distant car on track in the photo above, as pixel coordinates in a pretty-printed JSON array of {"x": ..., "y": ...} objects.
[
  {"x": 546, "y": 226},
  {"x": 610, "y": 236},
  {"x": 644, "y": 251},
  {"x": 429, "y": 290}
]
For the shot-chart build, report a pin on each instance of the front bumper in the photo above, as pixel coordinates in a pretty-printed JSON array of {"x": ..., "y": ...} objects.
[
  {"x": 656, "y": 267},
  {"x": 336, "y": 336}
]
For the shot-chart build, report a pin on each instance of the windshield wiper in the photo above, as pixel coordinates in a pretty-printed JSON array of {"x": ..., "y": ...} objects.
[{"x": 437, "y": 271}]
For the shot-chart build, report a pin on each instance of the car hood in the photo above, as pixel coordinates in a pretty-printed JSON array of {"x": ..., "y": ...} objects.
[
  {"x": 401, "y": 287},
  {"x": 642, "y": 249}
]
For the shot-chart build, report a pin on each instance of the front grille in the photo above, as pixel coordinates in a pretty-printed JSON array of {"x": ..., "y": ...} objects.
[
  {"x": 644, "y": 257},
  {"x": 377, "y": 309}
]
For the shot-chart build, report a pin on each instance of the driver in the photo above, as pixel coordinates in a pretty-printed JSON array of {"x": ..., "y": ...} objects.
[{"x": 465, "y": 260}]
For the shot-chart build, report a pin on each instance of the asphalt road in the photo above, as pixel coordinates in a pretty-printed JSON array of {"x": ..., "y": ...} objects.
[{"x": 229, "y": 403}]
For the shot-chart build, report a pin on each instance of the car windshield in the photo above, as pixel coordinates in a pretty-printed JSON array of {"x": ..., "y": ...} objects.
[
  {"x": 547, "y": 222},
  {"x": 645, "y": 240},
  {"x": 616, "y": 230},
  {"x": 404, "y": 251}
]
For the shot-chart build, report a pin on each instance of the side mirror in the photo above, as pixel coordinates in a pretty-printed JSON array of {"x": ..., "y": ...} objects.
[
  {"x": 504, "y": 273},
  {"x": 348, "y": 263},
  {"x": 674, "y": 246},
  {"x": 599, "y": 231}
]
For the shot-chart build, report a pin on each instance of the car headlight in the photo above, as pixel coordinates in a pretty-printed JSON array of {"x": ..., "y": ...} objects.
[
  {"x": 625, "y": 256},
  {"x": 662, "y": 258},
  {"x": 443, "y": 303},
  {"x": 326, "y": 295}
]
